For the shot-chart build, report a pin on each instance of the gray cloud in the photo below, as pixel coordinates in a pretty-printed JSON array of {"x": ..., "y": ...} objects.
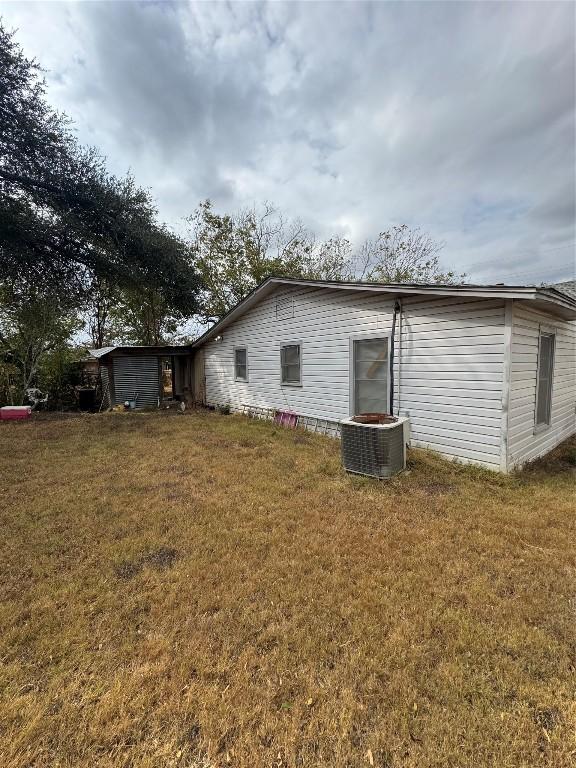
[{"x": 458, "y": 118}]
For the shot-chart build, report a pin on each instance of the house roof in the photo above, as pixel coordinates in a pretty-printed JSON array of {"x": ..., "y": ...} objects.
[
  {"x": 548, "y": 299},
  {"x": 101, "y": 352},
  {"x": 568, "y": 287}
]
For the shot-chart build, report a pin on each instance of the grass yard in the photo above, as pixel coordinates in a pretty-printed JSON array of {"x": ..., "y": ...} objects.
[{"x": 202, "y": 590}]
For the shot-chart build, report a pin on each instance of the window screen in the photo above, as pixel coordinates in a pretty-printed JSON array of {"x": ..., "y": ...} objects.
[
  {"x": 545, "y": 374},
  {"x": 290, "y": 364},
  {"x": 240, "y": 365},
  {"x": 371, "y": 376}
]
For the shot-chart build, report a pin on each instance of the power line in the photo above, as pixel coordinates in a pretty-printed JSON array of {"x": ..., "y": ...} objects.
[
  {"x": 560, "y": 248},
  {"x": 540, "y": 270},
  {"x": 543, "y": 270}
]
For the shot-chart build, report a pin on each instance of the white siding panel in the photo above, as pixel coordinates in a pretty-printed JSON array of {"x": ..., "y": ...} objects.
[
  {"x": 523, "y": 444},
  {"x": 448, "y": 372}
]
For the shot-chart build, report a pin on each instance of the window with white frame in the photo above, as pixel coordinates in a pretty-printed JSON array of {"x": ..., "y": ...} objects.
[
  {"x": 371, "y": 375},
  {"x": 240, "y": 364},
  {"x": 291, "y": 364},
  {"x": 545, "y": 378}
]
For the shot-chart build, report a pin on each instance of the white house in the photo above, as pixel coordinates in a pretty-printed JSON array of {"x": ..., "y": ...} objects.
[{"x": 487, "y": 374}]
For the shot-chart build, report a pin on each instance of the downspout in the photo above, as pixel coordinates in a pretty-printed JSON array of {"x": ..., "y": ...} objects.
[{"x": 397, "y": 309}]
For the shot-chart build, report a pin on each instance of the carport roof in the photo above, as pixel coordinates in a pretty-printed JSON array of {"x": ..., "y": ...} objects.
[{"x": 159, "y": 350}]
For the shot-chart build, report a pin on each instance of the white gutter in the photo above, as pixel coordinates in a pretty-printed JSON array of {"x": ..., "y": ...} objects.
[{"x": 548, "y": 296}]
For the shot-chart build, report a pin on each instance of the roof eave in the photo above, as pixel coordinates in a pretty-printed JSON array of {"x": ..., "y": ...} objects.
[{"x": 555, "y": 301}]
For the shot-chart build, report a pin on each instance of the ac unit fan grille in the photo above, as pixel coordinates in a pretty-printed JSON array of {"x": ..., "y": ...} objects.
[{"x": 372, "y": 451}]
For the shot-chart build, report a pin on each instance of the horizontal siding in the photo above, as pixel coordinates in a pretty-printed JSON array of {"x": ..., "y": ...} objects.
[
  {"x": 448, "y": 372},
  {"x": 523, "y": 444}
]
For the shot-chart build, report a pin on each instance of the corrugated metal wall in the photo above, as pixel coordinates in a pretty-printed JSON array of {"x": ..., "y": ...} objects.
[{"x": 136, "y": 375}]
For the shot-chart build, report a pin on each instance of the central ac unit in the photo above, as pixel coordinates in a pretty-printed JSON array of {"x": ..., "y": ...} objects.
[{"x": 374, "y": 449}]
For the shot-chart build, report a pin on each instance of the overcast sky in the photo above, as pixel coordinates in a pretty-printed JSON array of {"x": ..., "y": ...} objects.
[{"x": 455, "y": 117}]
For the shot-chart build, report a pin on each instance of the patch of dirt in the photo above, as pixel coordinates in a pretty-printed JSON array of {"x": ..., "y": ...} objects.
[
  {"x": 127, "y": 569},
  {"x": 561, "y": 460},
  {"x": 547, "y": 718},
  {"x": 159, "y": 559},
  {"x": 191, "y": 736}
]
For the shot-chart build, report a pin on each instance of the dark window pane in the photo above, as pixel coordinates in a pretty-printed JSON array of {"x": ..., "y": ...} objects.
[
  {"x": 240, "y": 364},
  {"x": 291, "y": 373},
  {"x": 290, "y": 362},
  {"x": 291, "y": 355}
]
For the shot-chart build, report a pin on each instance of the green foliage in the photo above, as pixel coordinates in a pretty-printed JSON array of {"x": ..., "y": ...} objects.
[
  {"x": 60, "y": 371},
  {"x": 35, "y": 332},
  {"x": 63, "y": 218},
  {"x": 102, "y": 297},
  {"x": 142, "y": 316},
  {"x": 235, "y": 253},
  {"x": 138, "y": 315},
  {"x": 73, "y": 239}
]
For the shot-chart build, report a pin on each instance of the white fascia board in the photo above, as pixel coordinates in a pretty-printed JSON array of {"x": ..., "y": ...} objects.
[{"x": 550, "y": 299}]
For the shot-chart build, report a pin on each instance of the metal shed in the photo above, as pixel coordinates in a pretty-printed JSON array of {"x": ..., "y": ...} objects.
[{"x": 137, "y": 373}]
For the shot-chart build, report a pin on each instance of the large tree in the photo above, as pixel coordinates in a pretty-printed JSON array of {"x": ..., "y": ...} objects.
[
  {"x": 142, "y": 316},
  {"x": 402, "y": 255},
  {"x": 63, "y": 217},
  {"x": 73, "y": 237},
  {"x": 233, "y": 253}
]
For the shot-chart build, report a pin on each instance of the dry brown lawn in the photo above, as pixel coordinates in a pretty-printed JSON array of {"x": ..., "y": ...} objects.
[{"x": 202, "y": 590}]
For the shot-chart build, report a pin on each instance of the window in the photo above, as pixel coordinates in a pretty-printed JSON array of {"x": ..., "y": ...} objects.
[
  {"x": 240, "y": 364},
  {"x": 371, "y": 376},
  {"x": 545, "y": 376},
  {"x": 290, "y": 363}
]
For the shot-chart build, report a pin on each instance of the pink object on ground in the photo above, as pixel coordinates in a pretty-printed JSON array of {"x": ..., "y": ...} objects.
[
  {"x": 286, "y": 418},
  {"x": 15, "y": 412}
]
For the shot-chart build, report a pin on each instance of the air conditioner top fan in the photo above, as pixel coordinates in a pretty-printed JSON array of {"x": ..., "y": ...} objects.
[{"x": 374, "y": 449}]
